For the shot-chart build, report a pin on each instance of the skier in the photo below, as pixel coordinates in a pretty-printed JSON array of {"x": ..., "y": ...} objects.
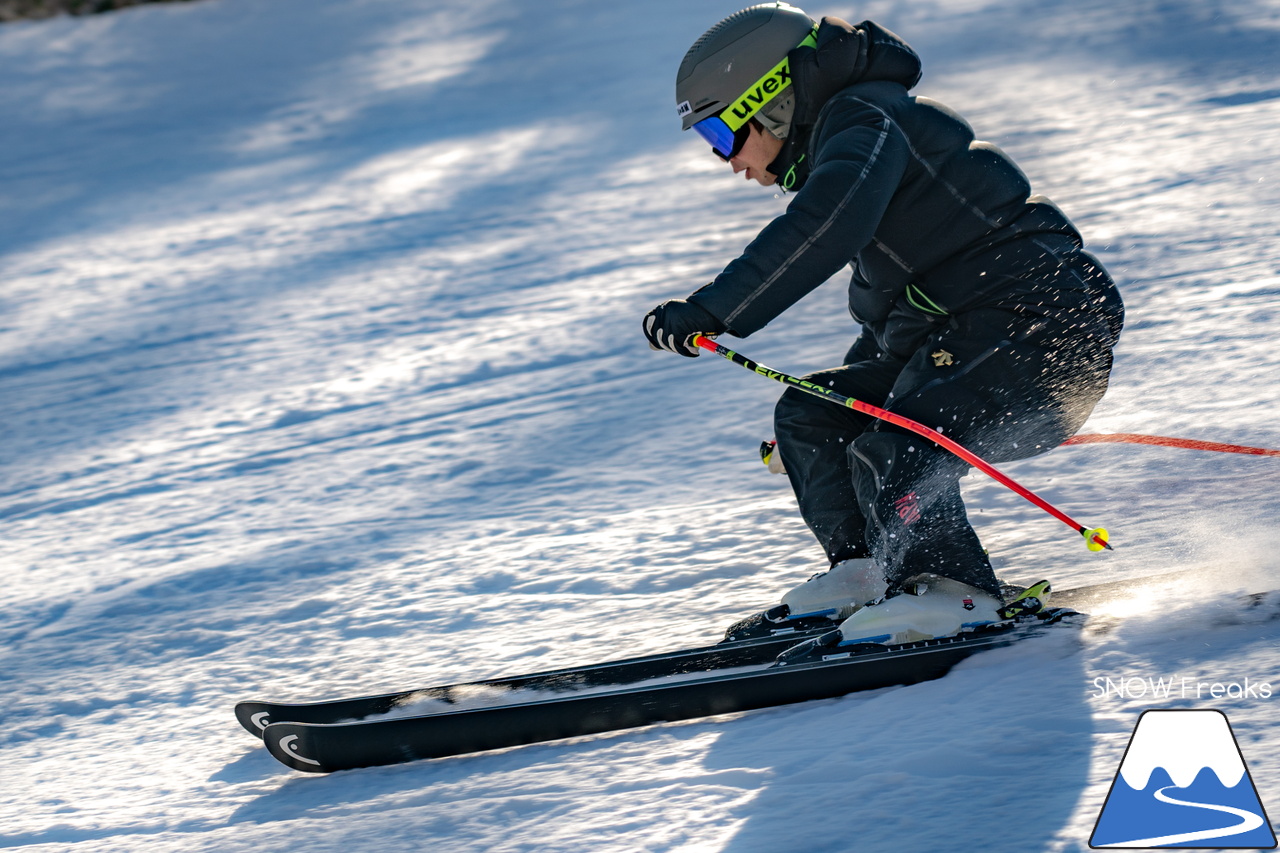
[{"x": 981, "y": 314}]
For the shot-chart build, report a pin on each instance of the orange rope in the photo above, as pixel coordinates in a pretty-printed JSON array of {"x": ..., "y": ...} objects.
[{"x": 1165, "y": 441}]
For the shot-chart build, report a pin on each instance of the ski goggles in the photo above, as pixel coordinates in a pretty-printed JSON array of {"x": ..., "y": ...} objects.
[{"x": 724, "y": 142}]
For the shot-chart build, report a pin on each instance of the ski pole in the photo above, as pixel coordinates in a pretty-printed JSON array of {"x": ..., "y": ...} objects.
[{"x": 1095, "y": 537}]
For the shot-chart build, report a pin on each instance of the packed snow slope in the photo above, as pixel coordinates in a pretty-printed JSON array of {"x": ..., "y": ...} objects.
[{"x": 321, "y": 373}]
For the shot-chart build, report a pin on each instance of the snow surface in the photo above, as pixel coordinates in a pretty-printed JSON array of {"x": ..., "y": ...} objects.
[{"x": 320, "y": 374}]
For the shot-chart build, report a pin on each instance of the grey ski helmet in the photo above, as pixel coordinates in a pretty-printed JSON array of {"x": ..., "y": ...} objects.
[{"x": 738, "y": 70}]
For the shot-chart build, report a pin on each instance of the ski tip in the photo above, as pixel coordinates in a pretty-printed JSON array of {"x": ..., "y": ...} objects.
[
  {"x": 253, "y": 716},
  {"x": 289, "y": 744}
]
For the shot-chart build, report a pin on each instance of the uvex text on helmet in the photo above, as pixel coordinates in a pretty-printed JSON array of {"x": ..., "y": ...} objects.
[{"x": 728, "y": 65}]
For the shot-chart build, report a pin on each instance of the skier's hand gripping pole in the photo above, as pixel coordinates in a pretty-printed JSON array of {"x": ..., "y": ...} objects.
[{"x": 1096, "y": 538}]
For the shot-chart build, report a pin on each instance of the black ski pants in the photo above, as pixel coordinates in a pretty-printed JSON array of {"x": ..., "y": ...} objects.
[{"x": 1008, "y": 381}]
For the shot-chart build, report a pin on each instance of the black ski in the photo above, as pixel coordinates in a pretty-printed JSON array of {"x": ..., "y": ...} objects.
[
  {"x": 322, "y": 748},
  {"x": 256, "y": 715}
]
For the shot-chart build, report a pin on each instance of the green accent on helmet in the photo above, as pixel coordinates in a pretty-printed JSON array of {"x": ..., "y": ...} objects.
[
  {"x": 738, "y": 69},
  {"x": 768, "y": 87}
]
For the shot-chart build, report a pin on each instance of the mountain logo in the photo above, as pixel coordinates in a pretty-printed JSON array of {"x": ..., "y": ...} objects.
[{"x": 1183, "y": 783}]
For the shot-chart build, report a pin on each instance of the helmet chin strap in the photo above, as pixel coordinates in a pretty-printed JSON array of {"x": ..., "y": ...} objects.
[{"x": 787, "y": 161}]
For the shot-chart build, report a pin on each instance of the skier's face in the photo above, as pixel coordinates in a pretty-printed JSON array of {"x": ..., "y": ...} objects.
[{"x": 760, "y": 149}]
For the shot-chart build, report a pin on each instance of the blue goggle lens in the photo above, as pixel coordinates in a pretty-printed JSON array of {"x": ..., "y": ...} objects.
[{"x": 723, "y": 141}]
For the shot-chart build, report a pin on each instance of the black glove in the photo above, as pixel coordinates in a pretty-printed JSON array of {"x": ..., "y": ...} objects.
[{"x": 672, "y": 325}]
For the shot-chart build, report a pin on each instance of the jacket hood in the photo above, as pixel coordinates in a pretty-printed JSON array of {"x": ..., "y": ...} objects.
[{"x": 845, "y": 54}]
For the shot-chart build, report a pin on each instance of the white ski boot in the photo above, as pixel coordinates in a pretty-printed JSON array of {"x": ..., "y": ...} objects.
[
  {"x": 837, "y": 592},
  {"x": 930, "y": 606},
  {"x": 821, "y": 601}
]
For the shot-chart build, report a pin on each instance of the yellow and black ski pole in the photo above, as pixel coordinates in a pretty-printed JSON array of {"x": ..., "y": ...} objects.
[{"x": 1095, "y": 537}]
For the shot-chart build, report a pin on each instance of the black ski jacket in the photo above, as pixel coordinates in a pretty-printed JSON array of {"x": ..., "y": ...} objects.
[{"x": 933, "y": 222}]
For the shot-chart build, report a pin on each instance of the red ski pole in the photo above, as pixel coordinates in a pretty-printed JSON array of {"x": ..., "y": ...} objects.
[{"x": 1094, "y": 537}]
